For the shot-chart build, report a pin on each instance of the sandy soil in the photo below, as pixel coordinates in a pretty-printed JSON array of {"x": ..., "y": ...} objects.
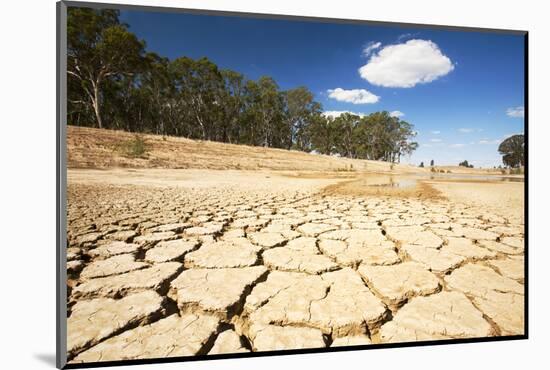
[
  {"x": 255, "y": 260},
  {"x": 505, "y": 198},
  {"x": 193, "y": 178}
]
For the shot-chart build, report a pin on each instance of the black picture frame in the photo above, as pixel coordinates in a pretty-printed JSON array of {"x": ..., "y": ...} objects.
[{"x": 61, "y": 187}]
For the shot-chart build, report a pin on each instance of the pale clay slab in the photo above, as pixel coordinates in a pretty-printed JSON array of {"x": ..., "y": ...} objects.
[
  {"x": 170, "y": 337},
  {"x": 93, "y": 320}
]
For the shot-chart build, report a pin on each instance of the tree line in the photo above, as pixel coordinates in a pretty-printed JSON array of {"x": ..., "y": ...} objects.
[{"x": 114, "y": 82}]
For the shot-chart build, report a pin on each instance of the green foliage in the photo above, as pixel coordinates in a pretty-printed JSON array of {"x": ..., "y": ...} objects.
[
  {"x": 513, "y": 151},
  {"x": 466, "y": 164},
  {"x": 377, "y": 136},
  {"x": 114, "y": 83},
  {"x": 432, "y": 163},
  {"x": 100, "y": 51},
  {"x": 299, "y": 108},
  {"x": 133, "y": 148},
  {"x": 421, "y": 165},
  {"x": 325, "y": 133}
]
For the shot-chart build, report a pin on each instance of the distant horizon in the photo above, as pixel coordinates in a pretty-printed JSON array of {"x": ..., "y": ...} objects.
[{"x": 473, "y": 81}]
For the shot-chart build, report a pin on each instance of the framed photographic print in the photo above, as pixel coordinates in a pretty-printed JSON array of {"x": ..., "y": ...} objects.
[{"x": 236, "y": 185}]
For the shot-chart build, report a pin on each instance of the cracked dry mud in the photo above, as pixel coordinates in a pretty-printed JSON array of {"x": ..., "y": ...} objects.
[{"x": 181, "y": 271}]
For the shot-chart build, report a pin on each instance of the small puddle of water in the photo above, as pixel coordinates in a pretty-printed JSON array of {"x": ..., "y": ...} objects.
[
  {"x": 397, "y": 183},
  {"x": 408, "y": 181}
]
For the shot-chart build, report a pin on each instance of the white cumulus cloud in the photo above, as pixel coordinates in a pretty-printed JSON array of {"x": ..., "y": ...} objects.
[
  {"x": 397, "y": 113},
  {"x": 354, "y": 96},
  {"x": 517, "y": 112},
  {"x": 435, "y": 132},
  {"x": 435, "y": 140},
  {"x": 371, "y": 46},
  {"x": 407, "y": 64},
  {"x": 338, "y": 113}
]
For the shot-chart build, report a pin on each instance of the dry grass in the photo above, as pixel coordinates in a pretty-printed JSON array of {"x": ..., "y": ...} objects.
[{"x": 94, "y": 148}]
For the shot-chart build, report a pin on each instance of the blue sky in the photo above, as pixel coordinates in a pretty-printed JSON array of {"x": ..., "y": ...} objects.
[{"x": 462, "y": 91}]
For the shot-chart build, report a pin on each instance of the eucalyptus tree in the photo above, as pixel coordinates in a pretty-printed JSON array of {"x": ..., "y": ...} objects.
[
  {"x": 375, "y": 132},
  {"x": 263, "y": 114},
  {"x": 513, "y": 151},
  {"x": 347, "y": 142},
  {"x": 299, "y": 109},
  {"x": 158, "y": 89},
  {"x": 270, "y": 106},
  {"x": 197, "y": 85},
  {"x": 404, "y": 137},
  {"x": 377, "y": 136},
  {"x": 325, "y": 134},
  {"x": 232, "y": 98},
  {"x": 79, "y": 109},
  {"x": 99, "y": 48},
  {"x": 124, "y": 105},
  {"x": 408, "y": 147}
]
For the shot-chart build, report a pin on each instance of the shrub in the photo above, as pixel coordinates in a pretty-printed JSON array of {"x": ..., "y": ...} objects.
[{"x": 133, "y": 148}]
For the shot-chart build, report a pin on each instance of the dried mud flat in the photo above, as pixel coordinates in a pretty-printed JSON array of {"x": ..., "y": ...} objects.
[{"x": 257, "y": 262}]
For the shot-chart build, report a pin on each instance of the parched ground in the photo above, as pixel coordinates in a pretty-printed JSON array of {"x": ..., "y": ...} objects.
[{"x": 187, "y": 262}]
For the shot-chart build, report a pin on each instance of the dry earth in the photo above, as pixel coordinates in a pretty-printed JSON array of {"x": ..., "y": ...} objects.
[
  {"x": 97, "y": 148},
  {"x": 193, "y": 262}
]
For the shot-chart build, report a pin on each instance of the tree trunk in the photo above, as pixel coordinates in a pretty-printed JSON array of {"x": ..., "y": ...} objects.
[
  {"x": 95, "y": 104},
  {"x": 201, "y": 124}
]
